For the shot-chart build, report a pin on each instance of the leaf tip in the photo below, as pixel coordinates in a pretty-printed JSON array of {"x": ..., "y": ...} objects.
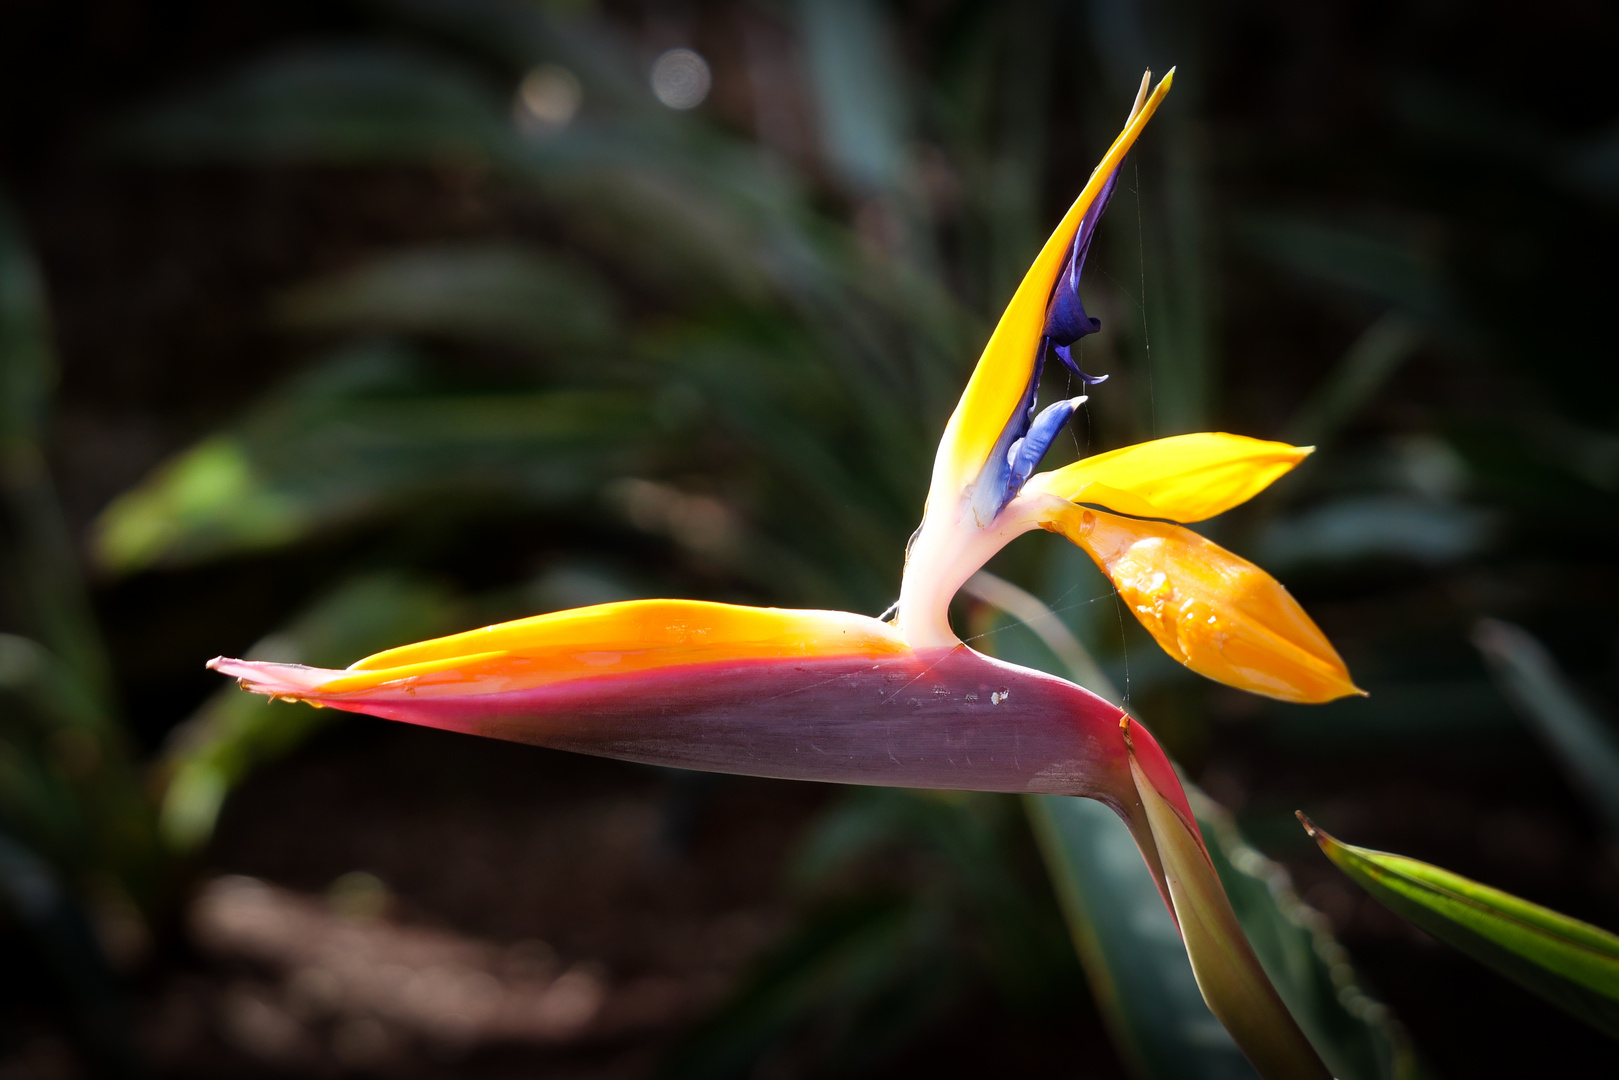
[{"x": 1309, "y": 826}]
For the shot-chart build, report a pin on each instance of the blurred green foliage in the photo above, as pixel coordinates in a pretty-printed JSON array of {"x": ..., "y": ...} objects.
[
  {"x": 716, "y": 355},
  {"x": 79, "y": 858},
  {"x": 358, "y": 436}
]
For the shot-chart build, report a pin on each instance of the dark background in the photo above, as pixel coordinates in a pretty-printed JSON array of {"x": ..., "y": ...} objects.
[{"x": 1319, "y": 167}]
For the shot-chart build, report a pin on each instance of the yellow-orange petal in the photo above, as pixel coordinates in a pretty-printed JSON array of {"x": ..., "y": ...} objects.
[
  {"x": 1001, "y": 379},
  {"x": 609, "y": 639},
  {"x": 1218, "y": 614},
  {"x": 1183, "y": 478}
]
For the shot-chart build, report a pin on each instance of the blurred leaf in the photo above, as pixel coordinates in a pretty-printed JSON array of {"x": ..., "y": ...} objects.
[
  {"x": 832, "y": 458},
  {"x": 1359, "y": 374},
  {"x": 1594, "y": 164},
  {"x": 858, "y": 90},
  {"x": 582, "y": 582},
  {"x": 883, "y": 953},
  {"x": 523, "y": 33},
  {"x": 235, "y": 732},
  {"x": 360, "y": 435},
  {"x": 1589, "y": 453},
  {"x": 962, "y": 843},
  {"x": 1396, "y": 712},
  {"x": 683, "y": 208},
  {"x": 1583, "y": 743},
  {"x": 1356, "y": 1035},
  {"x": 681, "y": 204},
  {"x": 862, "y": 976},
  {"x": 209, "y": 500},
  {"x": 53, "y": 691},
  {"x": 27, "y": 361},
  {"x": 687, "y": 209},
  {"x": 1377, "y": 527},
  {"x": 68, "y": 788},
  {"x": 484, "y": 293},
  {"x": 1394, "y": 272},
  {"x": 1572, "y": 964},
  {"x": 36, "y": 803},
  {"x": 1132, "y": 952},
  {"x": 65, "y": 940},
  {"x": 39, "y": 555},
  {"x": 348, "y": 105},
  {"x": 988, "y": 100}
]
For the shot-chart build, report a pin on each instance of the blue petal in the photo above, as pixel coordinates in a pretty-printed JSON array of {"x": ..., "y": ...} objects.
[
  {"x": 1026, "y": 438},
  {"x": 1066, "y": 320},
  {"x": 995, "y": 485},
  {"x": 1064, "y": 354},
  {"x": 1025, "y": 455}
]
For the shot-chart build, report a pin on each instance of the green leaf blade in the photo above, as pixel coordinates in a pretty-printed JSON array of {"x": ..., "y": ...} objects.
[{"x": 1570, "y": 963}]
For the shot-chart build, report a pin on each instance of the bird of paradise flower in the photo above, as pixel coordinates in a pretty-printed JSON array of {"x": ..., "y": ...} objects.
[{"x": 837, "y": 696}]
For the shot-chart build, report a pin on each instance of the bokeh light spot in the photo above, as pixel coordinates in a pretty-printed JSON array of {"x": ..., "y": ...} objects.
[
  {"x": 547, "y": 99},
  {"x": 681, "y": 79}
]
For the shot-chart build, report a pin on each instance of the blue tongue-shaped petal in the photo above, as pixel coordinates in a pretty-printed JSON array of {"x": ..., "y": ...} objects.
[
  {"x": 1066, "y": 320},
  {"x": 1063, "y": 353},
  {"x": 1025, "y": 455}
]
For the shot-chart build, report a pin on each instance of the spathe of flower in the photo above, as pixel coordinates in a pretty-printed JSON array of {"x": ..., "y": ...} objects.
[{"x": 835, "y": 696}]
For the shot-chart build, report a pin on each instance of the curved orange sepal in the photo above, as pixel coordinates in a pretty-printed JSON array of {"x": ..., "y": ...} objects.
[{"x": 1218, "y": 614}]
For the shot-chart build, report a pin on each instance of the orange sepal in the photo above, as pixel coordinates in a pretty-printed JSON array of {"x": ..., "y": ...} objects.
[{"x": 1218, "y": 614}]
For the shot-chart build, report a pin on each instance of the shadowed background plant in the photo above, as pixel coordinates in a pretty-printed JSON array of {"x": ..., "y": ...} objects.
[{"x": 639, "y": 351}]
